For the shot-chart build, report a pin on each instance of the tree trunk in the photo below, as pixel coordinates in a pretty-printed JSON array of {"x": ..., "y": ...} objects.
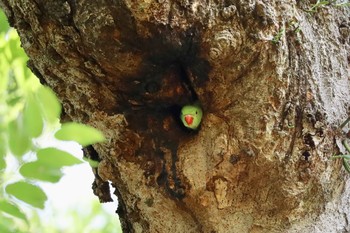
[{"x": 273, "y": 81}]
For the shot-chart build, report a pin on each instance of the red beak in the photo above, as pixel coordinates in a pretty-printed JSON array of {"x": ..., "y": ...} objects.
[{"x": 189, "y": 119}]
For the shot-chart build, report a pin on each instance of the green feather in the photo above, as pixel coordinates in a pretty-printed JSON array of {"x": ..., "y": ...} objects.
[{"x": 191, "y": 116}]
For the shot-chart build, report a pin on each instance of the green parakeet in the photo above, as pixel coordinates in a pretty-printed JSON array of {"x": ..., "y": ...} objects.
[{"x": 191, "y": 116}]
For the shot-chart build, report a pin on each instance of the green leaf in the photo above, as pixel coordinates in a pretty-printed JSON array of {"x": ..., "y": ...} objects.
[
  {"x": 11, "y": 209},
  {"x": 19, "y": 142},
  {"x": 323, "y": 3},
  {"x": 343, "y": 4},
  {"x": 3, "y": 148},
  {"x": 56, "y": 158},
  {"x": 8, "y": 224},
  {"x": 346, "y": 145},
  {"x": 93, "y": 163},
  {"x": 50, "y": 105},
  {"x": 30, "y": 194},
  {"x": 39, "y": 171},
  {"x": 19, "y": 56},
  {"x": 5, "y": 228},
  {"x": 18, "y": 64},
  {"x": 83, "y": 134},
  {"x": 33, "y": 122},
  {"x": 346, "y": 165},
  {"x": 4, "y": 26},
  {"x": 2, "y": 163},
  {"x": 4, "y": 70},
  {"x": 347, "y": 156}
]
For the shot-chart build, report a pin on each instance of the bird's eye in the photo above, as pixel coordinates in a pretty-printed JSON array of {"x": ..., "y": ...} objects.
[{"x": 196, "y": 113}]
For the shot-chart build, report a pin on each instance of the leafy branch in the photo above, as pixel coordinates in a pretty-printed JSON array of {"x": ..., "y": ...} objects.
[{"x": 28, "y": 111}]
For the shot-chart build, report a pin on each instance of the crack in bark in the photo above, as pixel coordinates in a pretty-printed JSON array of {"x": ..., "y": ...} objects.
[
  {"x": 300, "y": 86},
  {"x": 297, "y": 130}
]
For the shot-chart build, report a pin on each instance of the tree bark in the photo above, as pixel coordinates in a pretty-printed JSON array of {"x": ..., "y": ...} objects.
[{"x": 272, "y": 78}]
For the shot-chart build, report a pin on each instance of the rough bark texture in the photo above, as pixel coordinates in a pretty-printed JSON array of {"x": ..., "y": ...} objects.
[{"x": 260, "y": 161}]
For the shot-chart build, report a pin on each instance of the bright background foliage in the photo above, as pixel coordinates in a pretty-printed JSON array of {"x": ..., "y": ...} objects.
[{"x": 45, "y": 186}]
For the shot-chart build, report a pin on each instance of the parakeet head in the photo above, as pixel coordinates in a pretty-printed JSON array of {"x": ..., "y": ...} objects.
[{"x": 191, "y": 116}]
